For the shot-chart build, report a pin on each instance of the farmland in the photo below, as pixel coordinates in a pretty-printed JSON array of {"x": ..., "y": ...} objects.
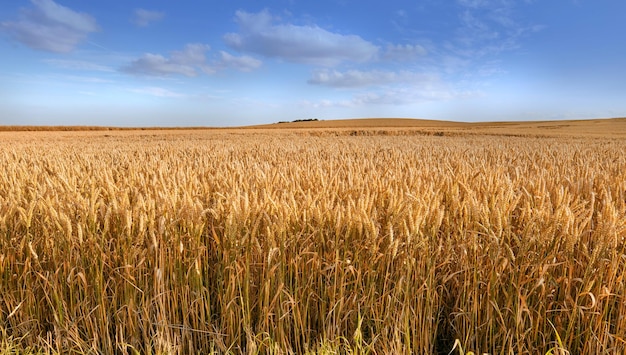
[{"x": 318, "y": 237}]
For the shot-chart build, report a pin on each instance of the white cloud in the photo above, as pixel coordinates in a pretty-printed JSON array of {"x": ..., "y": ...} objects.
[
  {"x": 192, "y": 54},
  {"x": 358, "y": 78},
  {"x": 157, "y": 65},
  {"x": 189, "y": 62},
  {"x": 185, "y": 62},
  {"x": 156, "y": 91},
  {"x": 143, "y": 18},
  {"x": 50, "y": 27},
  {"x": 242, "y": 63},
  {"x": 294, "y": 43}
]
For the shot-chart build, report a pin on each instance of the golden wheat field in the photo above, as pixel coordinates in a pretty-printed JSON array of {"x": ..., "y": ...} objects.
[{"x": 319, "y": 241}]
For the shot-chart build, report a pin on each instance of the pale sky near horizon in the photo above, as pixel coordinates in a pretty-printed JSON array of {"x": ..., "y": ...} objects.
[{"x": 229, "y": 63}]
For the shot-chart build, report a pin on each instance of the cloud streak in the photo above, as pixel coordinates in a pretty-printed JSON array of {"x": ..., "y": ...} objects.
[
  {"x": 78, "y": 65},
  {"x": 49, "y": 26},
  {"x": 260, "y": 34},
  {"x": 157, "y": 91}
]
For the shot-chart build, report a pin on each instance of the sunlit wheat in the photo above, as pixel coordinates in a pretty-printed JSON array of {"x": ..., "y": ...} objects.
[{"x": 294, "y": 242}]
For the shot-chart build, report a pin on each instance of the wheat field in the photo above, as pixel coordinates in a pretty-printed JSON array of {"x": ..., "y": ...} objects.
[{"x": 295, "y": 241}]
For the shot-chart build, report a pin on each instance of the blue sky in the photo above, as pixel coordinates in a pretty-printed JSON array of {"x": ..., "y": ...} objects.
[{"x": 228, "y": 63}]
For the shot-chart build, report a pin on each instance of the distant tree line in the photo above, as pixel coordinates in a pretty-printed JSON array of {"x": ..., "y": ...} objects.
[{"x": 301, "y": 120}]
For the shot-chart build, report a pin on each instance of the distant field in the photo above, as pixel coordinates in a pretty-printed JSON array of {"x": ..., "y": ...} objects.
[
  {"x": 613, "y": 127},
  {"x": 355, "y": 236}
]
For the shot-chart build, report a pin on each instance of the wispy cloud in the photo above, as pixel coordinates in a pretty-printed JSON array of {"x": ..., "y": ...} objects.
[
  {"x": 396, "y": 96},
  {"x": 49, "y": 26},
  {"x": 474, "y": 3},
  {"x": 358, "y": 78},
  {"x": 489, "y": 27},
  {"x": 412, "y": 94},
  {"x": 144, "y": 18},
  {"x": 326, "y": 103},
  {"x": 260, "y": 34}
]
